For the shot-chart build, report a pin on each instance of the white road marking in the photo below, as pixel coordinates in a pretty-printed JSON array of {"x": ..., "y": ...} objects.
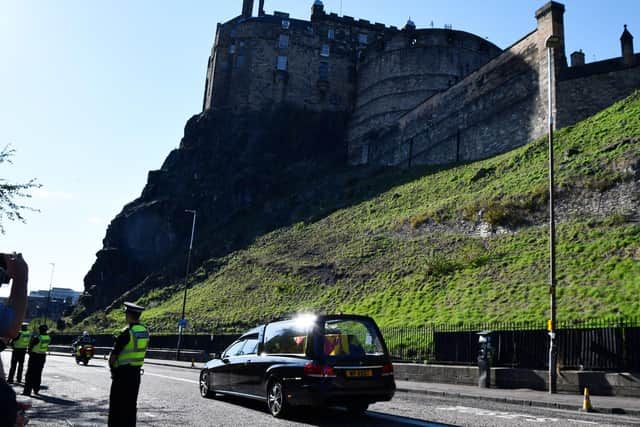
[
  {"x": 171, "y": 378},
  {"x": 499, "y": 414},
  {"x": 581, "y": 421}
]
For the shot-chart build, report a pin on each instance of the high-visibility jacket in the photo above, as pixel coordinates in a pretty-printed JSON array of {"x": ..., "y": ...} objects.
[
  {"x": 43, "y": 344},
  {"x": 22, "y": 342},
  {"x": 133, "y": 353}
]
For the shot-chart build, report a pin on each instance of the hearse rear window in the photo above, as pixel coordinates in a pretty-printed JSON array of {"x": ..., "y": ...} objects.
[
  {"x": 350, "y": 339},
  {"x": 288, "y": 337}
]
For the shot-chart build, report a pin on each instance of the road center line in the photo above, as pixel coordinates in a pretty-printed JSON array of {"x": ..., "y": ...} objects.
[{"x": 171, "y": 378}]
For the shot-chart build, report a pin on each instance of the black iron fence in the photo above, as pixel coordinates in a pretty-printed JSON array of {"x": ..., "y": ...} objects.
[{"x": 607, "y": 344}]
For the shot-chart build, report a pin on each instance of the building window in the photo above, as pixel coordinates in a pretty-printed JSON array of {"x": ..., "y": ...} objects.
[
  {"x": 331, "y": 34},
  {"x": 283, "y": 41},
  {"x": 240, "y": 61},
  {"x": 286, "y": 24},
  {"x": 324, "y": 50},
  {"x": 232, "y": 49},
  {"x": 282, "y": 63},
  {"x": 363, "y": 39},
  {"x": 324, "y": 71}
]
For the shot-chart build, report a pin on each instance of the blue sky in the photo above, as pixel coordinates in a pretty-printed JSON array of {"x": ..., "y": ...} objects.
[{"x": 93, "y": 95}]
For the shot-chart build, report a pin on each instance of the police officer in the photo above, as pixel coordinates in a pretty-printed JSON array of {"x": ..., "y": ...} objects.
[
  {"x": 126, "y": 360},
  {"x": 20, "y": 345},
  {"x": 38, "y": 348}
]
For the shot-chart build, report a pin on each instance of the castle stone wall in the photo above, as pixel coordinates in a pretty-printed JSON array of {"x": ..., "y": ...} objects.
[
  {"x": 496, "y": 108},
  {"x": 584, "y": 91},
  {"x": 396, "y": 75}
]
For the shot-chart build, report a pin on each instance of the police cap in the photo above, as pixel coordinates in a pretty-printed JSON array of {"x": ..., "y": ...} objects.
[{"x": 133, "y": 308}]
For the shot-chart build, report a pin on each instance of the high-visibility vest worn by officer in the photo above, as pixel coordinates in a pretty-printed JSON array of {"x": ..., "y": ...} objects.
[
  {"x": 133, "y": 353},
  {"x": 22, "y": 342},
  {"x": 43, "y": 344}
]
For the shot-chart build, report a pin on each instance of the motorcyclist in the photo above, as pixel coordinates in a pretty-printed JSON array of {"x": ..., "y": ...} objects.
[{"x": 83, "y": 340}]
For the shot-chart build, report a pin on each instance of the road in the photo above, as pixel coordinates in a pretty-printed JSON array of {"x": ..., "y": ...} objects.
[{"x": 78, "y": 396}]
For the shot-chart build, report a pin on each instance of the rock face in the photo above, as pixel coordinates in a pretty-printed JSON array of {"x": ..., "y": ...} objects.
[{"x": 227, "y": 166}]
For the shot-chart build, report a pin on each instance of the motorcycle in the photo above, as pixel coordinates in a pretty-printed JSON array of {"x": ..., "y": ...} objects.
[{"x": 84, "y": 353}]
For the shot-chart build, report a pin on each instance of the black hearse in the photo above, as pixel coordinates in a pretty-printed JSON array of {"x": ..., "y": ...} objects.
[{"x": 309, "y": 360}]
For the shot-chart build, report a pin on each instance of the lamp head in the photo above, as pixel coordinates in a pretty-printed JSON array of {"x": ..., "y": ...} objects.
[{"x": 553, "y": 42}]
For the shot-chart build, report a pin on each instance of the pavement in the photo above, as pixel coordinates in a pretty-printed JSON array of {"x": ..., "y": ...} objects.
[{"x": 525, "y": 397}]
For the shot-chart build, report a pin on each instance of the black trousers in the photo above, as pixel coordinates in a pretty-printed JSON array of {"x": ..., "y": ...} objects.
[
  {"x": 123, "y": 397},
  {"x": 34, "y": 372},
  {"x": 17, "y": 358}
]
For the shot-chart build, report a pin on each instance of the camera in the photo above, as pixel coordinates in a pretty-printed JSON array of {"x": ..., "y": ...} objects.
[{"x": 4, "y": 276}]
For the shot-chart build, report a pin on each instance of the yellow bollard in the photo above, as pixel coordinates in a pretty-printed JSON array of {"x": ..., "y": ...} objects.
[{"x": 586, "y": 401}]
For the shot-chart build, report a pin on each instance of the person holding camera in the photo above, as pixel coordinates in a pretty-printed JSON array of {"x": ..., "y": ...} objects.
[{"x": 12, "y": 268}]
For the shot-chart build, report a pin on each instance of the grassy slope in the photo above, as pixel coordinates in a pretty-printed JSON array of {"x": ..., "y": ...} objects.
[{"x": 379, "y": 256}]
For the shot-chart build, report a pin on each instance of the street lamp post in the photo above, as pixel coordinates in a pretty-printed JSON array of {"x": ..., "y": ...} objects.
[
  {"x": 186, "y": 277},
  {"x": 552, "y": 43},
  {"x": 53, "y": 268}
]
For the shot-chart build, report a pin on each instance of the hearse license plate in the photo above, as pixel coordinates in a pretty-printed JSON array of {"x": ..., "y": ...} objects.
[{"x": 359, "y": 373}]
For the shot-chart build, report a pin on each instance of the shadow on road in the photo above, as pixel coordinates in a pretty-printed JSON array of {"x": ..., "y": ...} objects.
[{"x": 329, "y": 417}]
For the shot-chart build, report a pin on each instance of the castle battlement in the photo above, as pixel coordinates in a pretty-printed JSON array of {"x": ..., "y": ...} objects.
[{"x": 411, "y": 95}]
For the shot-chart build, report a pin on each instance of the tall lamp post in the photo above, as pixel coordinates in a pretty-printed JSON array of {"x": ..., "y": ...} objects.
[
  {"x": 552, "y": 43},
  {"x": 53, "y": 268},
  {"x": 182, "y": 323}
]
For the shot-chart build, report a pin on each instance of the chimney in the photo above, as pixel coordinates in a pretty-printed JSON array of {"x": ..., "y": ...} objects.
[
  {"x": 577, "y": 59},
  {"x": 317, "y": 10},
  {"x": 247, "y": 8},
  {"x": 626, "y": 40},
  {"x": 261, "y": 8}
]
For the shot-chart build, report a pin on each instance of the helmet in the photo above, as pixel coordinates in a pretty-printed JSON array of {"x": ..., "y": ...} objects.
[{"x": 85, "y": 334}]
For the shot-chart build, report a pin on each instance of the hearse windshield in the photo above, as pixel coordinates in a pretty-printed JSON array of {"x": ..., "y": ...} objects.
[{"x": 350, "y": 339}]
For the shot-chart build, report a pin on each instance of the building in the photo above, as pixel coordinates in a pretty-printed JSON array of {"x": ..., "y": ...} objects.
[
  {"x": 63, "y": 294},
  {"x": 413, "y": 96}
]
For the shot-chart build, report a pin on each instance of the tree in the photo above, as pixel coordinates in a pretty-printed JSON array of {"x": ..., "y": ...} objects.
[{"x": 10, "y": 192}]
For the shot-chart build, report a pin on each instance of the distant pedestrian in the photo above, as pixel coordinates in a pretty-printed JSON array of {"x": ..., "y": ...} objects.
[
  {"x": 38, "y": 348},
  {"x": 126, "y": 361},
  {"x": 20, "y": 345}
]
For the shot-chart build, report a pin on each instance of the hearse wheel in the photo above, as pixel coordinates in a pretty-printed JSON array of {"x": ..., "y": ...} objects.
[
  {"x": 204, "y": 386},
  {"x": 276, "y": 399}
]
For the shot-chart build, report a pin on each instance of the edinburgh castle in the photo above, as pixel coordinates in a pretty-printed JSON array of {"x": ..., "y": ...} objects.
[{"x": 413, "y": 96}]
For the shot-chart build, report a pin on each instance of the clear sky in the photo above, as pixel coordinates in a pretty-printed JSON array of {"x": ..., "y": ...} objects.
[{"x": 93, "y": 95}]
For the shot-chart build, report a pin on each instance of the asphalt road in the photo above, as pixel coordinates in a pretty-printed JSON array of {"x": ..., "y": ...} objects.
[{"x": 78, "y": 396}]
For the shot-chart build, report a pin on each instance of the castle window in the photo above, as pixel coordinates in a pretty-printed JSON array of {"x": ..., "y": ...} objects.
[
  {"x": 331, "y": 34},
  {"x": 286, "y": 24},
  {"x": 324, "y": 50},
  {"x": 324, "y": 71},
  {"x": 283, "y": 41},
  {"x": 363, "y": 39},
  {"x": 282, "y": 63}
]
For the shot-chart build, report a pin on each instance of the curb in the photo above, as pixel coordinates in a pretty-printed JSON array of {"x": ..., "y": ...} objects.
[
  {"x": 522, "y": 402},
  {"x": 169, "y": 364}
]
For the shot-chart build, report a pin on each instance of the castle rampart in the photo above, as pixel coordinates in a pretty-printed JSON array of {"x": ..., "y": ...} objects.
[{"x": 396, "y": 75}]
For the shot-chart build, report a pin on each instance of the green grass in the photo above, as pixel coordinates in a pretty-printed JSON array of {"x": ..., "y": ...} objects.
[{"x": 373, "y": 252}]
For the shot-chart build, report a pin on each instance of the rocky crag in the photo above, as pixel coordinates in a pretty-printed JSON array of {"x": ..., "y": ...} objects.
[{"x": 226, "y": 167}]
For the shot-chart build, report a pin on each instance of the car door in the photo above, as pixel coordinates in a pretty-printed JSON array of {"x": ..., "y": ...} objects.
[
  {"x": 223, "y": 380},
  {"x": 244, "y": 366}
]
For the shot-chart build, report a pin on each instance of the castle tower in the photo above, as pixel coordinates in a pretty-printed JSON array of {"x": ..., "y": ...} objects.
[
  {"x": 626, "y": 41},
  {"x": 247, "y": 8},
  {"x": 551, "y": 23}
]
